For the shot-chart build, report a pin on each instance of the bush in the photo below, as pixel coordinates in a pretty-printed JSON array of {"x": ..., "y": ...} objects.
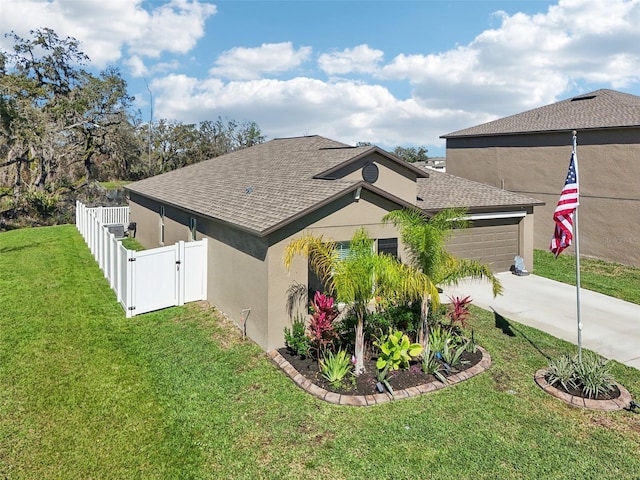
[
  {"x": 592, "y": 376},
  {"x": 296, "y": 339},
  {"x": 335, "y": 367}
]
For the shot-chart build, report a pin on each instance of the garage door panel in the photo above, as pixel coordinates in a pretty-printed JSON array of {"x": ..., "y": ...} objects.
[{"x": 494, "y": 245}]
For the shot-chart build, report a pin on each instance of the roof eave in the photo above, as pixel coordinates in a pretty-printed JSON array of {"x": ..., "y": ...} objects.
[
  {"x": 488, "y": 208},
  {"x": 534, "y": 132},
  {"x": 328, "y": 200},
  {"x": 419, "y": 172}
]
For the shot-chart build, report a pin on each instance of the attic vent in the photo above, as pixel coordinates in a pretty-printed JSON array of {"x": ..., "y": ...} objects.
[
  {"x": 585, "y": 97},
  {"x": 370, "y": 172}
]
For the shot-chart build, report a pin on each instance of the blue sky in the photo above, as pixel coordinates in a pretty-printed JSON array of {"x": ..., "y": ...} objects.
[{"x": 387, "y": 72}]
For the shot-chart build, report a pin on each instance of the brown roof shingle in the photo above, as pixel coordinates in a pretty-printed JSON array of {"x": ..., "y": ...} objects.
[
  {"x": 268, "y": 185},
  {"x": 600, "y": 109},
  {"x": 443, "y": 190},
  {"x": 257, "y": 188}
]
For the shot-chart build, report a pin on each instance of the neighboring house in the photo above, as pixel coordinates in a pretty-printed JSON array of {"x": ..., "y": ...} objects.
[
  {"x": 529, "y": 154},
  {"x": 252, "y": 202}
]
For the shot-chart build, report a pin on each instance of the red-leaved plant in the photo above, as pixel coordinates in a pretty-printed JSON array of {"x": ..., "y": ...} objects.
[
  {"x": 460, "y": 310},
  {"x": 323, "y": 313}
]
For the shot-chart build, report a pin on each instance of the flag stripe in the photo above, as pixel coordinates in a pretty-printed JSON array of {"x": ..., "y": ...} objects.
[{"x": 563, "y": 214}]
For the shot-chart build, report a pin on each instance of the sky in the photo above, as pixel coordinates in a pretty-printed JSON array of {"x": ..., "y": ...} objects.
[{"x": 392, "y": 73}]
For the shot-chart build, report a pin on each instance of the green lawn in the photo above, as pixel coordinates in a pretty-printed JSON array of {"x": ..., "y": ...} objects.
[
  {"x": 114, "y": 184},
  {"x": 87, "y": 393},
  {"x": 612, "y": 279}
]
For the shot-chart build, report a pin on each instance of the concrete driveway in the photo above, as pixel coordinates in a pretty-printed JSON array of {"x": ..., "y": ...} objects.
[{"x": 611, "y": 327}]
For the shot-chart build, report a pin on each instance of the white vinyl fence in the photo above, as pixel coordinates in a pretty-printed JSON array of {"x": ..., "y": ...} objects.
[{"x": 147, "y": 280}]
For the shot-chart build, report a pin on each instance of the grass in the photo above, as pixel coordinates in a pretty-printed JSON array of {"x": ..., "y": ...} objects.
[
  {"x": 131, "y": 243},
  {"x": 114, "y": 184},
  {"x": 87, "y": 393},
  {"x": 612, "y": 279}
]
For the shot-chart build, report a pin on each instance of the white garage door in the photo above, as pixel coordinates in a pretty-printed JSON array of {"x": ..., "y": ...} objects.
[{"x": 493, "y": 242}]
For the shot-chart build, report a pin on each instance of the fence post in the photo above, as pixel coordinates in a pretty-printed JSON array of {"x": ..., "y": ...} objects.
[
  {"x": 205, "y": 271},
  {"x": 111, "y": 260},
  {"x": 180, "y": 271},
  {"x": 130, "y": 294}
]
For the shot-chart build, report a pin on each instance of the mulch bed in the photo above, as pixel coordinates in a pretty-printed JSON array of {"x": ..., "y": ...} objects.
[{"x": 365, "y": 384}]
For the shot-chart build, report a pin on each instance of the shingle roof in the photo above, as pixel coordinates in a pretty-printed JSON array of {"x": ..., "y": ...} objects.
[
  {"x": 266, "y": 186},
  {"x": 261, "y": 187},
  {"x": 443, "y": 190},
  {"x": 595, "y": 110}
]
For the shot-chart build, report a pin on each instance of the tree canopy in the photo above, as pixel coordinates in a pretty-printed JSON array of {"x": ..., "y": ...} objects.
[{"x": 62, "y": 128}]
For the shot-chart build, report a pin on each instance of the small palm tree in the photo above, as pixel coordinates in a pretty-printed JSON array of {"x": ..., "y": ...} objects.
[
  {"x": 359, "y": 277},
  {"x": 425, "y": 238}
]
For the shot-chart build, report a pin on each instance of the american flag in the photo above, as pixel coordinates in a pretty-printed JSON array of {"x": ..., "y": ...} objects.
[{"x": 563, "y": 215}]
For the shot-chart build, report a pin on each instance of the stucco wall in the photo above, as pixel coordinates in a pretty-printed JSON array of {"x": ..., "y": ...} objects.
[
  {"x": 238, "y": 277},
  {"x": 536, "y": 165},
  {"x": 146, "y": 214},
  {"x": 337, "y": 221},
  {"x": 391, "y": 178}
]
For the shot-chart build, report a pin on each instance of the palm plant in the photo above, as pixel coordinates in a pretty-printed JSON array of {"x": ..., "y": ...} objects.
[
  {"x": 359, "y": 277},
  {"x": 425, "y": 238}
]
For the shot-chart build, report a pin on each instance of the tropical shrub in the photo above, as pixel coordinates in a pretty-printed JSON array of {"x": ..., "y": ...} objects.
[
  {"x": 451, "y": 355},
  {"x": 359, "y": 277},
  {"x": 403, "y": 316},
  {"x": 335, "y": 367},
  {"x": 592, "y": 376},
  {"x": 459, "y": 312},
  {"x": 396, "y": 351},
  {"x": 562, "y": 371},
  {"x": 431, "y": 364},
  {"x": 296, "y": 339},
  {"x": 438, "y": 339},
  {"x": 321, "y": 328}
]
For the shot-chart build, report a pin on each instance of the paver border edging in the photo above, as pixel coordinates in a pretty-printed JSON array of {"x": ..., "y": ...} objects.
[
  {"x": 591, "y": 404},
  {"x": 378, "y": 398}
]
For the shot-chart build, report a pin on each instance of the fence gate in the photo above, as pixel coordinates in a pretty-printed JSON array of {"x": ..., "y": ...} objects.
[
  {"x": 155, "y": 279},
  {"x": 150, "y": 279}
]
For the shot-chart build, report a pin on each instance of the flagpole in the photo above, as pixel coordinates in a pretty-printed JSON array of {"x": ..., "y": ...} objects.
[{"x": 576, "y": 237}]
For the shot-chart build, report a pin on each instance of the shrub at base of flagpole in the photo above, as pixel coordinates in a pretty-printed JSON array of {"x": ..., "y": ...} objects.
[{"x": 586, "y": 384}]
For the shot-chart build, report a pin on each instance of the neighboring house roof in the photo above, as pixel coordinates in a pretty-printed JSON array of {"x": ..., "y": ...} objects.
[
  {"x": 266, "y": 186},
  {"x": 443, "y": 190},
  {"x": 596, "y": 110}
]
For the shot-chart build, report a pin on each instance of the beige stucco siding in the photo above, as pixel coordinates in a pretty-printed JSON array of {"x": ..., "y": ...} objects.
[
  {"x": 536, "y": 165},
  {"x": 146, "y": 214},
  {"x": 338, "y": 222},
  {"x": 396, "y": 181},
  {"x": 238, "y": 276}
]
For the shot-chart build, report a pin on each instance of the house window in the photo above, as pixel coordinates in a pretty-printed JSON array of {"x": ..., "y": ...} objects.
[
  {"x": 192, "y": 228},
  {"x": 388, "y": 246},
  {"x": 161, "y": 224},
  {"x": 343, "y": 249}
]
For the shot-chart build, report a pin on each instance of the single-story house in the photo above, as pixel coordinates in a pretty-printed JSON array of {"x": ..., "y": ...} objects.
[
  {"x": 529, "y": 153},
  {"x": 251, "y": 203}
]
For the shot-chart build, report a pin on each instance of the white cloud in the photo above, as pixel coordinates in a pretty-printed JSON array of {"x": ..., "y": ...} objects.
[
  {"x": 530, "y": 60},
  {"x": 136, "y": 66},
  {"x": 345, "y": 110},
  {"x": 105, "y": 28},
  {"x": 360, "y": 59},
  {"x": 172, "y": 27},
  {"x": 524, "y": 62},
  {"x": 251, "y": 63}
]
